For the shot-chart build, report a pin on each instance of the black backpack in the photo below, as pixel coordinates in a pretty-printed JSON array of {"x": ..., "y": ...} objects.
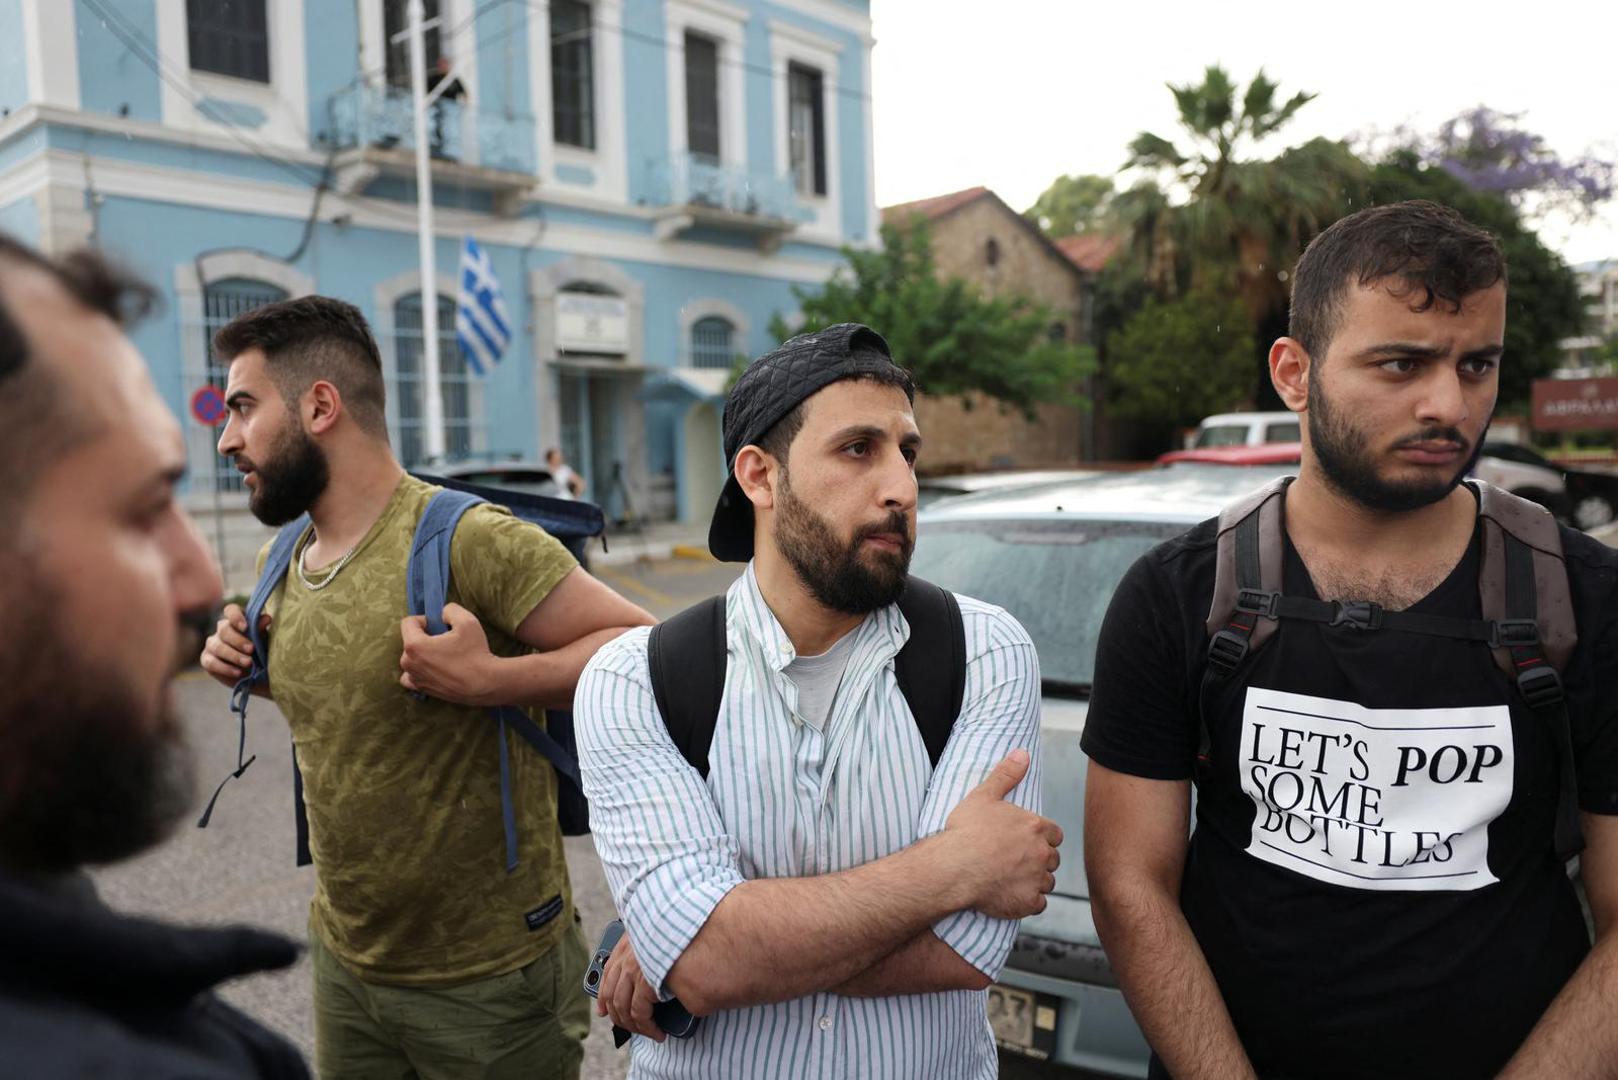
[
  {"x": 687, "y": 655},
  {"x": 1522, "y": 582}
]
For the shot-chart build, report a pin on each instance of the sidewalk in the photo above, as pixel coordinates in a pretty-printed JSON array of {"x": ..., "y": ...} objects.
[{"x": 655, "y": 541}]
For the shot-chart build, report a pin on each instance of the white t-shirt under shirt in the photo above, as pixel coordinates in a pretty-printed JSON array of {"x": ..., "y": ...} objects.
[{"x": 817, "y": 679}]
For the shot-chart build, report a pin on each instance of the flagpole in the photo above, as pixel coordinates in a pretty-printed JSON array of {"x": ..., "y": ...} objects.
[{"x": 432, "y": 392}]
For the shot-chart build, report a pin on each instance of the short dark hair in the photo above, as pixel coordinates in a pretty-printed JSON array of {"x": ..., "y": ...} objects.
[
  {"x": 776, "y": 440},
  {"x": 37, "y": 423},
  {"x": 313, "y": 338},
  {"x": 1439, "y": 255}
]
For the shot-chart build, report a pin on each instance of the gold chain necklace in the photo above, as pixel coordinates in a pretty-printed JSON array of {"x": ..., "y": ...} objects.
[{"x": 331, "y": 575}]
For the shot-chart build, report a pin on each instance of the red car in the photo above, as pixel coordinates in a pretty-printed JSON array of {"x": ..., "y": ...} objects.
[{"x": 1262, "y": 454}]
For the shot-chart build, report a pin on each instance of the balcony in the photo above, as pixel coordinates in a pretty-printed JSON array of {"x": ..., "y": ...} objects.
[
  {"x": 695, "y": 192},
  {"x": 373, "y": 131}
]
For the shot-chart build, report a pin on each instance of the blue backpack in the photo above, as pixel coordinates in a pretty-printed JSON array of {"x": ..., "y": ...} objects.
[{"x": 427, "y": 582}]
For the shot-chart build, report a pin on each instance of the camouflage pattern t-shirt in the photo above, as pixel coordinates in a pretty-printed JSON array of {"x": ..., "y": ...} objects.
[{"x": 403, "y": 795}]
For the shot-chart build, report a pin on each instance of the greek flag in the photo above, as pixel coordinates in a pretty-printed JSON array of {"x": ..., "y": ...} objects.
[{"x": 482, "y": 327}]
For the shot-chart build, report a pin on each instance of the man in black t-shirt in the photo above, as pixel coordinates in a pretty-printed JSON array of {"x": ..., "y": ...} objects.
[{"x": 1372, "y": 887}]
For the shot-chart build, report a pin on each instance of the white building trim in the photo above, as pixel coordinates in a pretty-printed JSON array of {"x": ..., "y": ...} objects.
[
  {"x": 792, "y": 44},
  {"x": 284, "y": 101},
  {"x": 727, "y": 26},
  {"x": 158, "y": 184},
  {"x": 833, "y": 14},
  {"x": 607, "y": 163},
  {"x": 51, "y": 44},
  {"x": 694, "y": 311}
]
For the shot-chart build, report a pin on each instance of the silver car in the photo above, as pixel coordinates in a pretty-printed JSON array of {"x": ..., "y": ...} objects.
[{"x": 1052, "y": 556}]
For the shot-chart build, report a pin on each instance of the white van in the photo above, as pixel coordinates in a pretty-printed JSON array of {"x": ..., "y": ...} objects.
[{"x": 1246, "y": 429}]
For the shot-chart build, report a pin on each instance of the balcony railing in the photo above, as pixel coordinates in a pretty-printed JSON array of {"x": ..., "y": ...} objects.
[
  {"x": 701, "y": 191},
  {"x": 382, "y": 117}
]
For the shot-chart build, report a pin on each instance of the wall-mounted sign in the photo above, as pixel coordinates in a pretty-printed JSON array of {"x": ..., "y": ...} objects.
[
  {"x": 1575, "y": 404},
  {"x": 590, "y": 323}
]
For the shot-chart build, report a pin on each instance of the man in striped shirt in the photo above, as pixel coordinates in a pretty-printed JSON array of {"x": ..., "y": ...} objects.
[{"x": 832, "y": 903}]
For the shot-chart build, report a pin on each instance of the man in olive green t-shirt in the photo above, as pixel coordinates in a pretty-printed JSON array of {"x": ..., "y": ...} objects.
[{"x": 430, "y": 958}]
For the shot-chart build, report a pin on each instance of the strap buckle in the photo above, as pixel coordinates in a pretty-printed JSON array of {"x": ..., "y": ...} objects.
[
  {"x": 1541, "y": 687},
  {"x": 1257, "y": 602},
  {"x": 1513, "y": 633},
  {"x": 1227, "y": 649},
  {"x": 1359, "y": 614}
]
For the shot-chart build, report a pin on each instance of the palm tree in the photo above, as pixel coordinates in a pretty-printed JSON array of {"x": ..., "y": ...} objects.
[{"x": 1212, "y": 215}]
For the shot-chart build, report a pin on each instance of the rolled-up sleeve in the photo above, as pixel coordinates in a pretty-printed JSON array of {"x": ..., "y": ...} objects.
[
  {"x": 999, "y": 714},
  {"x": 668, "y": 857}
]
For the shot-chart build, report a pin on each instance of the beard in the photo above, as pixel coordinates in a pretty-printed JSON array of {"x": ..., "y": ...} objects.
[
  {"x": 1343, "y": 452},
  {"x": 834, "y": 571},
  {"x": 86, "y": 775},
  {"x": 290, "y": 479}
]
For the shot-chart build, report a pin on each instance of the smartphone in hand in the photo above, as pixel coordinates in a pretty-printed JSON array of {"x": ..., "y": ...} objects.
[{"x": 670, "y": 1015}]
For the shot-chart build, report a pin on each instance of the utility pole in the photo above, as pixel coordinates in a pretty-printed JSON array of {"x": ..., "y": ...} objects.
[{"x": 432, "y": 392}]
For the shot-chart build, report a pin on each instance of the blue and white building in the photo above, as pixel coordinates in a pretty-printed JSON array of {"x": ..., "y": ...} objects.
[{"x": 650, "y": 178}]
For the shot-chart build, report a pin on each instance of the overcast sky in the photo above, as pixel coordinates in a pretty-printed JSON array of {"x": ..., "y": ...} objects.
[{"x": 1013, "y": 93}]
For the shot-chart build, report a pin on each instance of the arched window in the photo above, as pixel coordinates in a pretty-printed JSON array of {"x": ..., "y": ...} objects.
[
  {"x": 991, "y": 251},
  {"x": 457, "y": 385},
  {"x": 713, "y": 343},
  {"x": 222, "y": 301}
]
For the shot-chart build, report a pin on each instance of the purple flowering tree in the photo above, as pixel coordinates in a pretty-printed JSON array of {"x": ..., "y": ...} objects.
[{"x": 1490, "y": 152}]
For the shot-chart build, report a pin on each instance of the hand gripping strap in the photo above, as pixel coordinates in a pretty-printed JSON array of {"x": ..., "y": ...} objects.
[
  {"x": 427, "y": 577},
  {"x": 275, "y": 570}
]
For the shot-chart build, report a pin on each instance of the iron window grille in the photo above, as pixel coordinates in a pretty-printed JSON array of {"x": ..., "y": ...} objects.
[{"x": 229, "y": 37}]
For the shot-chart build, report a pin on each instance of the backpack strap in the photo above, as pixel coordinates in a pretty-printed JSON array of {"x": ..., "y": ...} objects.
[
  {"x": 1247, "y": 590},
  {"x": 689, "y": 651},
  {"x": 687, "y": 655},
  {"x": 427, "y": 578},
  {"x": 258, "y": 671},
  {"x": 937, "y": 633},
  {"x": 1524, "y": 590}
]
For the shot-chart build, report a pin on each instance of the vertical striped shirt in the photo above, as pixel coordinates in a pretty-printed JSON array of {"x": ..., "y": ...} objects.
[{"x": 783, "y": 799}]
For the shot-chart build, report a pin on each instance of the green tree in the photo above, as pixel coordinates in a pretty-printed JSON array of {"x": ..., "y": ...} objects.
[
  {"x": 1212, "y": 214},
  {"x": 1175, "y": 361},
  {"x": 953, "y": 339},
  {"x": 1542, "y": 304},
  {"x": 1072, "y": 204}
]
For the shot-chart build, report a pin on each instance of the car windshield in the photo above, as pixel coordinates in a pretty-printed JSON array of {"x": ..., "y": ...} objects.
[
  {"x": 1222, "y": 435},
  {"x": 1055, "y": 577}
]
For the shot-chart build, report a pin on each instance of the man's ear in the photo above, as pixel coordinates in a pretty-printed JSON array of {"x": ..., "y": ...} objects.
[
  {"x": 322, "y": 405},
  {"x": 756, "y": 472},
  {"x": 1290, "y": 365}
]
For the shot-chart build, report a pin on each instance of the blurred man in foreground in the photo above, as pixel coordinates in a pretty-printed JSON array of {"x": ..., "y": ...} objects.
[{"x": 105, "y": 588}]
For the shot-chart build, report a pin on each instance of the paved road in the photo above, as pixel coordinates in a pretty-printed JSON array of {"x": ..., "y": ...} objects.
[{"x": 240, "y": 869}]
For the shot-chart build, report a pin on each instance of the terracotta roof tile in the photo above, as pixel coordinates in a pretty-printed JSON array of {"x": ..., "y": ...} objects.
[
  {"x": 1090, "y": 251},
  {"x": 935, "y": 207}
]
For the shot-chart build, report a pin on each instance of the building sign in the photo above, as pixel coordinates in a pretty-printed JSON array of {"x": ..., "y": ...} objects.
[
  {"x": 590, "y": 323},
  {"x": 1575, "y": 404}
]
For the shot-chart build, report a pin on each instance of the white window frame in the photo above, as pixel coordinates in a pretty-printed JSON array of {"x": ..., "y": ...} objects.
[
  {"x": 725, "y": 25},
  {"x": 710, "y": 307},
  {"x": 191, "y": 280},
  {"x": 606, "y": 162},
  {"x": 284, "y": 100},
  {"x": 791, "y": 44},
  {"x": 386, "y": 297}
]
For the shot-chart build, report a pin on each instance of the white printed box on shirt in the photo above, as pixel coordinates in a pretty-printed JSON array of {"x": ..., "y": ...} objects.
[{"x": 1385, "y": 799}]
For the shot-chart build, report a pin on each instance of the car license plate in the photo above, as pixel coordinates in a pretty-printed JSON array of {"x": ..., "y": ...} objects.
[{"x": 1023, "y": 1020}]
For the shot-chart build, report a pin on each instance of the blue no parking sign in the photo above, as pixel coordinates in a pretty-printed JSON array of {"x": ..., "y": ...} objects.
[{"x": 208, "y": 406}]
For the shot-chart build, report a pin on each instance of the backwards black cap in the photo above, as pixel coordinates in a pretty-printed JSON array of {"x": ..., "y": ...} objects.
[{"x": 772, "y": 386}]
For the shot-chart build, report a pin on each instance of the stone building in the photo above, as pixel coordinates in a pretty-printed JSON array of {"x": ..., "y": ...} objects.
[{"x": 980, "y": 239}]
